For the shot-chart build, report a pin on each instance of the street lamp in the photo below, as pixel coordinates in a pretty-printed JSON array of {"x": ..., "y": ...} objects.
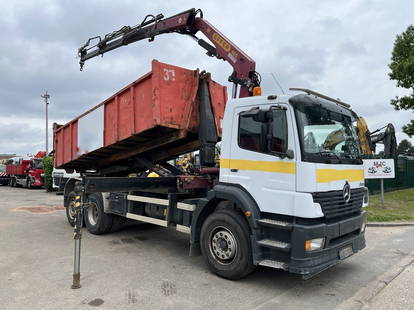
[{"x": 46, "y": 97}]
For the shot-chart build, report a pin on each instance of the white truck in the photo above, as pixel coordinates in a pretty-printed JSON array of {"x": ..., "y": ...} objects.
[{"x": 285, "y": 194}]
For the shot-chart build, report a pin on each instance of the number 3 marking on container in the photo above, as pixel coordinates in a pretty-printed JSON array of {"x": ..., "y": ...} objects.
[{"x": 169, "y": 74}]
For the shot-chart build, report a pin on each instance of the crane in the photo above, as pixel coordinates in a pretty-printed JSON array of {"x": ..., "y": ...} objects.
[
  {"x": 368, "y": 139},
  {"x": 189, "y": 23}
]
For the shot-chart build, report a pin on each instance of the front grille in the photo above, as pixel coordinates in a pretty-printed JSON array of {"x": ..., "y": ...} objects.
[{"x": 333, "y": 204}]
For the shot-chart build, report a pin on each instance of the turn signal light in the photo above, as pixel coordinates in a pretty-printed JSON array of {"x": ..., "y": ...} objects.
[
  {"x": 314, "y": 244},
  {"x": 257, "y": 91},
  {"x": 366, "y": 198}
]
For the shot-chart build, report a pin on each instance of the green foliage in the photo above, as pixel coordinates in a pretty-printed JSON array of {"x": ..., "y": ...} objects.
[
  {"x": 402, "y": 70},
  {"x": 404, "y": 146},
  {"x": 48, "y": 169}
]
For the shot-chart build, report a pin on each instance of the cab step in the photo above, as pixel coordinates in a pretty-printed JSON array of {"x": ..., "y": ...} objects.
[
  {"x": 275, "y": 224},
  {"x": 274, "y": 244},
  {"x": 274, "y": 264}
]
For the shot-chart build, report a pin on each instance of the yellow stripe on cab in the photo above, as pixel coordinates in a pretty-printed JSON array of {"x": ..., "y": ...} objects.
[
  {"x": 329, "y": 175},
  {"x": 259, "y": 165}
]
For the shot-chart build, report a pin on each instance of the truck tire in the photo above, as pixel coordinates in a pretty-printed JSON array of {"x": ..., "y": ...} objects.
[
  {"x": 225, "y": 244},
  {"x": 117, "y": 223},
  {"x": 69, "y": 206},
  {"x": 96, "y": 220},
  {"x": 28, "y": 183}
]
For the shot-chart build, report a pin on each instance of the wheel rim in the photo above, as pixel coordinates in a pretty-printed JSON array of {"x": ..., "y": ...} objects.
[
  {"x": 71, "y": 209},
  {"x": 93, "y": 213},
  {"x": 223, "y": 246}
]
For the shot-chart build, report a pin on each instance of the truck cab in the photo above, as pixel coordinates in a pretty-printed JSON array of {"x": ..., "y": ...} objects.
[
  {"x": 26, "y": 172},
  {"x": 306, "y": 184}
]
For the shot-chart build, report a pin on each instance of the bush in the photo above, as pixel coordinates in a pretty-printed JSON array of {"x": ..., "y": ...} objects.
[{"x": 48, "y": 169}]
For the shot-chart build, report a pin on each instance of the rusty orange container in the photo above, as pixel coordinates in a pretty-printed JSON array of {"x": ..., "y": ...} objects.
[{"x": 155, "y": 117}]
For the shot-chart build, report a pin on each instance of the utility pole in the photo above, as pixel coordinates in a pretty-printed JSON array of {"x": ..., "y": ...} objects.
[{"x": 46, "y": 97}]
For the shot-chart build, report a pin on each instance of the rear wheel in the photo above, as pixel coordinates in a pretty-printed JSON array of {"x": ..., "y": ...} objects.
[
  {"x": 70, "y": 208},
  {"x": 225, "y": 244},
  {"x": 97, "y": 221}
]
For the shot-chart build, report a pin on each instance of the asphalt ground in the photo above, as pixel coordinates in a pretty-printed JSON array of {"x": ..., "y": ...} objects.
[{"x": 148, "y": 267}]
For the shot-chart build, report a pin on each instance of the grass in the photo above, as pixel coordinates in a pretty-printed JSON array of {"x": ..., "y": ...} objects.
[{"x": 398, "y": 206}]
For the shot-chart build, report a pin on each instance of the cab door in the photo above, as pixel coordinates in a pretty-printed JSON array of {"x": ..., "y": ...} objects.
[{"x": 258, "y": 156}]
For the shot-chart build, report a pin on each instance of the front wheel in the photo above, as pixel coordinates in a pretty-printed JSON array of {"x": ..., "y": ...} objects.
[{"x": 225, "y": 244}]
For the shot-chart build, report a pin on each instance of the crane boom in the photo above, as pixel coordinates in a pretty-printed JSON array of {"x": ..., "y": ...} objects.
[{"x": 186, "y": 23}]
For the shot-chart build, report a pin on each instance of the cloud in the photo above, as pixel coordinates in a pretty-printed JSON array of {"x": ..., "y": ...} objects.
[{"x": 338, "y": 48}]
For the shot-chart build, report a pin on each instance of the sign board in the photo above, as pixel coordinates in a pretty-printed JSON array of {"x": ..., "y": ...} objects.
[{"x": 379, "y": 169}]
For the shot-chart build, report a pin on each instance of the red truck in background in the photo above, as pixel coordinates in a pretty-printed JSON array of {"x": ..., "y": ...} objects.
[
  {"x": 4, "y": 178},
  {"x": 27, "y": 172}
]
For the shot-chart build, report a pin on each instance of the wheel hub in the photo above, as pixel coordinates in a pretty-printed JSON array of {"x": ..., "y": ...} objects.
[
  {"x": 71, "y": 208},
  {"x": 93, "y": 213},
  {"x": 223, "y": 245}
]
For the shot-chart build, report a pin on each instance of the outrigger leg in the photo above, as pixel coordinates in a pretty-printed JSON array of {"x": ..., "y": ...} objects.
[{"x": 79, "y": 200}]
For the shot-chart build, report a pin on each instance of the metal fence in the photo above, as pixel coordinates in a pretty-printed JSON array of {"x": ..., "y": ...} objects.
[{"x": 404, "y": 178}]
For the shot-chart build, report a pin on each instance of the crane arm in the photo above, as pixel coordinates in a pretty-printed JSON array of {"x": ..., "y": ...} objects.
[
  {"x": 369, "y": 140},
  {"x": 186, "y": 23}
]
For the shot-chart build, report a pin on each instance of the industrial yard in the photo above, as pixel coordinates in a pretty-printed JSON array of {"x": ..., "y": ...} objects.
[
  {"x": 217, "y": 157},
  {"x": 145, "y": 267}
]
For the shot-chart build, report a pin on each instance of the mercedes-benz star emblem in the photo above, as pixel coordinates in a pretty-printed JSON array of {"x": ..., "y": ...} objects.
[{"x": 346, "y": 192}]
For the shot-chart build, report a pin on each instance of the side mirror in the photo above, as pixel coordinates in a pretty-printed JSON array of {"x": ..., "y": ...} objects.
[{"x": 290, "y": 154}]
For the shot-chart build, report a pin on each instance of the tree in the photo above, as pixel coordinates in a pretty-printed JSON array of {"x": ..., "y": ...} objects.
[
  {"x": 404, "y": 146},
  {"x": 48, "y": 169},
  {"x": 402, "y": 70}
]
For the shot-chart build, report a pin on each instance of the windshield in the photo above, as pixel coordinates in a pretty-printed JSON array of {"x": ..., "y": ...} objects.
[
  {"x": 2, "y": 168},
  {"x": 37, "y": 164},
  {"x": 327, "y": 136}
]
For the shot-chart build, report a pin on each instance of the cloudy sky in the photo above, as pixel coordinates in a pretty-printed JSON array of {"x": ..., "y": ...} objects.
[{"x": 339, "y": 48}]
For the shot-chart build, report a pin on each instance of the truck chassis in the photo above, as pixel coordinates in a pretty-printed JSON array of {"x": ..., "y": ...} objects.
[{"x": 217, "y": 218}]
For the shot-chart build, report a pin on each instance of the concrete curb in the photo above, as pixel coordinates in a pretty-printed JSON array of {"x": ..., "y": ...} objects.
[
  {"x": 365, "y": 295},
  {"x": 390, "y": 224}
]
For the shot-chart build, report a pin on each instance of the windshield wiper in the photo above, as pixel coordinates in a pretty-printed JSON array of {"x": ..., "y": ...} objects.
[{"x": 329, "y": 154}]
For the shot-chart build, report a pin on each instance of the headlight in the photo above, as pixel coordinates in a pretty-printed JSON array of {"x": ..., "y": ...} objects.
[{"x": 314, "y": 244}]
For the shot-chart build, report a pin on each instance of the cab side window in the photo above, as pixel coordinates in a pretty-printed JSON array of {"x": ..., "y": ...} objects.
[
  {"x": 264, "y": 136},
  {"x": 250, "y": 134}
]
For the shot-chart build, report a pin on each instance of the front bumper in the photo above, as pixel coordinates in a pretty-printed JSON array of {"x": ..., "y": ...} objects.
[
  {"x": 339, "y": 235},
  {"x": 343, "y": 238},
  {"x": 4, "y": 180}
]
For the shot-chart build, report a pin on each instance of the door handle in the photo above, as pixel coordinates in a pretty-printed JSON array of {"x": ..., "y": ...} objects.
[{"x": 234, "y": 170}]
